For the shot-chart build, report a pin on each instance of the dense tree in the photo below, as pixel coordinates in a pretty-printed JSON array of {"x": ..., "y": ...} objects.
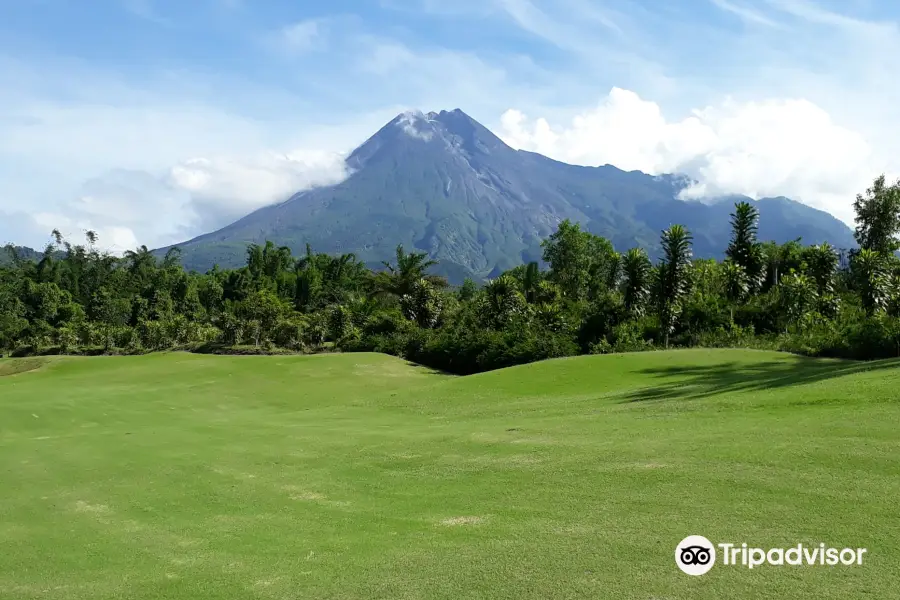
[
  {"x": 736, "y": 284},
  {"x": 567, "y": 251},
  {"x": 779, "y": 259},
  {"x": 265, "y": 262},
  {"x": 822, "y": 264},
  {"x": 878, "y": 217},
  {"x": 797, "y": 295},
  {"x": 636, "y": 280},
  {"x": 410, "y": 267},
  {"x": 12, "y": 315},
  {"x": 582, "y": 264},
  {"x": 467, "y": 290},
  {"x": 744, "y": 250},
  {"x": 871, "y": 276},
  {"x": 606, "y": 267},
  {"x": 673, "y": 277},
  {"x": 423, "y": 304},
  {"x": 503, "y": 302},
  {"x": 530, "y": 281}
]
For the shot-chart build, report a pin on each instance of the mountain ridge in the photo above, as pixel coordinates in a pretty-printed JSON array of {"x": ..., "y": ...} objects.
[{"x": 442, "y": 183}]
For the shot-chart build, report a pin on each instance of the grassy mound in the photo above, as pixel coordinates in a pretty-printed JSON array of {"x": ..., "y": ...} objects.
[
  {"x": 362, "y": 476},
  {"x": 14, "y": 366}
]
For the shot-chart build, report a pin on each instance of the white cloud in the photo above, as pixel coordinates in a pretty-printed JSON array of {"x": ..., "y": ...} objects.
[
  {"x": 301, "y": 37},
  {"x": 111, "y": 238},
  {"x": 745, "y": 13},
  {"x": 779, "y": 147},
  {"x": 410, "y": 121},
  {"x": 237, "y": 186},
  {"x": 157, "y": 164},
  {"x": 125, "y": 208},
  {"x": 129, "y": 207}
]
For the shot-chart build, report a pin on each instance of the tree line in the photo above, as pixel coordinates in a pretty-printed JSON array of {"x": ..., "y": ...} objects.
[{"x": 589, "y": 298}]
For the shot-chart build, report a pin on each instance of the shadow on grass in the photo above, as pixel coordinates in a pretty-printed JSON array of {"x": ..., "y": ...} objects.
[
  {"x": 30, "y": 351},
  {"x": 710, "y": 380},
  {"x": 243, "y": 350},
  {"x": 431, "y": 370}
]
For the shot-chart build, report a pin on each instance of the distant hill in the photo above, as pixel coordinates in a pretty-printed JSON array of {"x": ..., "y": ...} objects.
[
  {"x": 23, "y": 252},
  {"x": 444, "y": 184}
]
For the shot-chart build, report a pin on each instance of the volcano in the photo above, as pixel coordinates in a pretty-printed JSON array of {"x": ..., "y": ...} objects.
[{"x": 444, "y": 184}]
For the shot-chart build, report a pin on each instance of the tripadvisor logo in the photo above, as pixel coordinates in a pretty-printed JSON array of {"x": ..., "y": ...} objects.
[{"x": 696, "y": 555}]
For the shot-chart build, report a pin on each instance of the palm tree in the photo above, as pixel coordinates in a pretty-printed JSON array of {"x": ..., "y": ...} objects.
[
  {"x": 423, "y": 305},
  {"x": 344, "y": 276},
  {"x": 736, "y": 285},
  {"x": 172, "y": 259},
  {"x": 822, "y": 263},
  {"x": 339, "y": 268},
  {"x": 613, "y": 270},
  {"x": 743, "y": 249},
  {"x": 139, "y": 261},
  {"x": 530, "y": 281},
  {"x": 503, "y": 300},
  {"x": 870, "y": 274},
  {"x": 307, "y": 287},
  {"x": 673, "y": 276},
  {"x": 797, "y": 296},
  {"x": 47, "y": 268},
  {"x": 410, "y": 267},
  {"x": 267, "y": 260},
  {"x": 636, "y": 283}
]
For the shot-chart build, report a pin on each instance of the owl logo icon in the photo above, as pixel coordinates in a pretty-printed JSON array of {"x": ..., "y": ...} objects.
[{"x": 695, "y": 555}]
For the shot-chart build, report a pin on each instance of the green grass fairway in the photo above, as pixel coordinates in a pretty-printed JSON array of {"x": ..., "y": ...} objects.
[{"x": 360, "y": 476}]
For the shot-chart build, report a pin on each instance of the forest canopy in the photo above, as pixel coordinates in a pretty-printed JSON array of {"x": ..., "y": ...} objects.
[{"x": 589, "y": 297}]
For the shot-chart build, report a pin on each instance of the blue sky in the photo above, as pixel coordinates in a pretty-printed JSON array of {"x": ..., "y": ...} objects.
[{"x": 154, "y": 120}]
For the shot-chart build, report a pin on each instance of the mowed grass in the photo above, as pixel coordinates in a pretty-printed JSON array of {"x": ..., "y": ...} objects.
[{"x": 361, "y": 476}]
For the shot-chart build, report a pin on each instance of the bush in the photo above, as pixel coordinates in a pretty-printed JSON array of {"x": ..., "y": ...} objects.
[
  {"x": 601, "y": 317},
  {"x": 385, "y": 323},
  {"x": 729, "y": 336},
  {"x": 127, "y": 339},
  {"x": 315, "y": 333},
  {"x": 152, "y": 335},
  {"x": 601, "y": 347},
  {"x": 701, "y": 315},
  {"x": 872, "y": 338},
  {"x": 761, "y": 313},
  {"x": 289, "y": 333},
  {"x": 464, "y": 351},
  {"x": 633, "y": 336},
  {"x": 66, "y": 339},
  {"x": 231, "y": 327}
]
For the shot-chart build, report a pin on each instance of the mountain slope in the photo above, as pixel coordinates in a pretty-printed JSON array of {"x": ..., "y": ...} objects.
[
  {"x": 23, "y": 252},
  {"x": 445, "y": 184}
]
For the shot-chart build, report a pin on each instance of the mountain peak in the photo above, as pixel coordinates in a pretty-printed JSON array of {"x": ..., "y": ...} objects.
[
  {"x": 474, "y": 137},
  {"x": 454, "y": 129}
]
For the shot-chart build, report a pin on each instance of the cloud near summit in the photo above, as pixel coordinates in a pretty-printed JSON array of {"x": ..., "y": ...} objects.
[
  {"x": 128, "y": 207},
  {"x": 779, "y": 147}
]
